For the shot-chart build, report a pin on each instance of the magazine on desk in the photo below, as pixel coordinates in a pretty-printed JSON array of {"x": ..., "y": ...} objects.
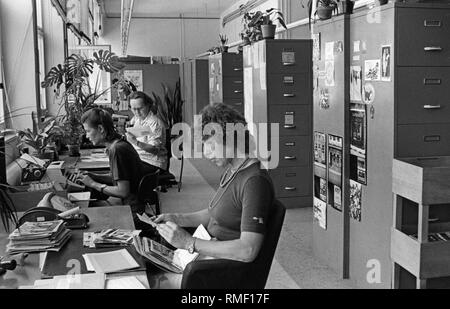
[{"x": 166, "y": 258}]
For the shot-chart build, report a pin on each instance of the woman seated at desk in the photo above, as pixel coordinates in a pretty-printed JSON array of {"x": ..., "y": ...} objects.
[
  {"x": 126, "y": 169},
  {"x": 153, "y": 145},
  {"x": 237, "y": 214}
]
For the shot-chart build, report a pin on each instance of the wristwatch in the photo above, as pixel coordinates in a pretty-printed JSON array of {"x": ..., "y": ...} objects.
[
  {"x": 191, "y": 248},
  {"x": 102, "y": 187}
]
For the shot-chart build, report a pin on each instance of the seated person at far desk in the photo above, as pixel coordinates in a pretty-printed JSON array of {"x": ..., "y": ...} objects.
[
  {"x": 126, "y": 169},
  {"x": 237, "y": 214},
  {"x": 153, "y": 145}
]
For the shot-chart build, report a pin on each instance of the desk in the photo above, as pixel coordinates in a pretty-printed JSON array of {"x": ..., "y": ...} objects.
[
  {"x": 100, "y": 218},
  {"x": 89, "y": 160}
]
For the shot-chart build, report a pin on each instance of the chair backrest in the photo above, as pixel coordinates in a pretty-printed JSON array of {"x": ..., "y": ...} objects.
[{"x": 147, "y": 184}]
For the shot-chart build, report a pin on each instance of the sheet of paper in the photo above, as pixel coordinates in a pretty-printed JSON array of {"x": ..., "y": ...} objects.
[
  {"x": 124, "y": 283},
  {"x": 113, "y": 261},
  {"x": 146, "y": 219},
  {"x": 33, "y": 160},
  {"x": 89, "y": 266},
  {"x": 140, "y": 132},
  {"x": 182, "y": 257},
  {"x": 85, "y": 281}
]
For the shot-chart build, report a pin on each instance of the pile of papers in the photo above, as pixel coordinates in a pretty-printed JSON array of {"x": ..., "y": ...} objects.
[
  {"x": 165, "y": 258},
  {"x": 38, "y": 237},
  {"x": 109, "y": 238}
]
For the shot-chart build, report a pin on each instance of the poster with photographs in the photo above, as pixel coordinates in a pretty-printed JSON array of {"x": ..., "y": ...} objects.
[
  {"x": 324, "y": 98},
  {"x": 134, "y": 76},
  {"x": 320, "y": 213},
  {"x": 316, "y": 46},
  {"x": 358, "y": 128},
  {"x": 320, "y": 158},
  {"x": 386, "y": 63},
  {"x": 335, "y": 167},
  {"x": 323, "y": 189},
  {"x": 355, "y": 200},
  {"x": 372, "y": 70},
  {"x": 362, "y": 170},
  {"x": 355, "y": 84},
  {"x": 329, "y": 73}
]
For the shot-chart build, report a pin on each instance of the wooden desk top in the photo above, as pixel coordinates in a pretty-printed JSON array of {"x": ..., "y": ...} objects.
[
  {"x": 90, "y": 159},
  {"x": 100, "y": 218}
]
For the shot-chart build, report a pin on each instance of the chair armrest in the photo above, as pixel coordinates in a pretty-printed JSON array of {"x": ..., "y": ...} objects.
[{"x": 217, "y": 274}]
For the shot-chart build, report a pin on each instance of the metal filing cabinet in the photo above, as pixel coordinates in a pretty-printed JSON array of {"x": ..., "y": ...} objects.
[
  {"x": 226, "y": 80},
  {"x": 278, "y": 89}
]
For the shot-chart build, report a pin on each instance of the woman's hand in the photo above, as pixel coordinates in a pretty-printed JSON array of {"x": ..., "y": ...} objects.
[
  {"x": 132, "y": 139},
  {"x": 165, "y": 218},
  {"x": 88, "y": 181},
  {"x": 175, "y": 235}
]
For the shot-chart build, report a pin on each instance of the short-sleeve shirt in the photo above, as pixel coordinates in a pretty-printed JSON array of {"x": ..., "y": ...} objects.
[
  {"x": 243, "y": 205},
  {"x": 125, "y": 164},
  {"x": 157, "y": 138}
]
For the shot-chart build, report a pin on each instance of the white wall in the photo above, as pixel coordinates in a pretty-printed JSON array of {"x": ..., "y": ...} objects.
[
  {"x": 163, "y": 37},
  {"x": 17, "y": 47}
]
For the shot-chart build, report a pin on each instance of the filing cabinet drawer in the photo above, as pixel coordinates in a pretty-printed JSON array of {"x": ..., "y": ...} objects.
[
  {"x": 423, "y": 37},
  {"x": 232, "y": 65},
  {"x": 423, "y": 95},
  {"x": 283, "y": 57},
  {"x": 289, "y": 89},
  {"x": 293, "y": 119},
  {"x": 233, "y": 88},
  {"x": 237, "y": 104},
  {"x": 295, "y": 151},
  {"x": 293, "y": 181},
  {"x": 423, "y": 140}
]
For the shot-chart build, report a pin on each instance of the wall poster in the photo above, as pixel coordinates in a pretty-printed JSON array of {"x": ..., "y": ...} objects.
[
  {"x": 386, "y": 63},
  {"x": 355, "y": 84},
  {"x": 355, "y": 200},
  {"x": 135, "y": 77},
  {"x": 335, "y": 167},
  {"x": 320, "y": 166},
  {"x": 320, "y": 213},
  {"x": 358, "y": 143}
]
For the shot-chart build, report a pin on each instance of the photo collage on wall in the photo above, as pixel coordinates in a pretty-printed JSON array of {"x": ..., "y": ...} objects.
[
  {"x": 335, "y": 165},
  {"x": 358, "y": 143},
  {"x": 320, "y": 179}
]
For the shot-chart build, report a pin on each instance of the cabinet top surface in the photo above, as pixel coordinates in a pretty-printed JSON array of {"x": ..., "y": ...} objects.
[{"x": 427, "y": 163}]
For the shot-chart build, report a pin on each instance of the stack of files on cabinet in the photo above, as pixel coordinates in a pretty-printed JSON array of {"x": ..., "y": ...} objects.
[{"x": 38, "y": 237}]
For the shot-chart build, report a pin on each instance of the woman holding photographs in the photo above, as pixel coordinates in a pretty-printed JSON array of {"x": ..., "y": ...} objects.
[{"x": 237, "y": 214}]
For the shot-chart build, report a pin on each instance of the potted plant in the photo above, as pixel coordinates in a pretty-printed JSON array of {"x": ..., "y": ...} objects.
[
  {"x": 78, "y": 95},
  {"x": 265, "y": 21},
  {"x": 223, "y": 43},
  {"x": 41, "y": 136},
  {"x": 325, "y": 8},
  {"x": 8, "y": 213}
]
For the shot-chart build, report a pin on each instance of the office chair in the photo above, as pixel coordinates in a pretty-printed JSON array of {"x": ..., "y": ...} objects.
[
  {"x": 147, "y": 194},
  {"x": 167, "y": 179},
  {"x": 228, "y": 274}
]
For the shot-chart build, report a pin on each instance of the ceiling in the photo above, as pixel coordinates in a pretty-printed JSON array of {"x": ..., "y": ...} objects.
[{"x": 171, "y": 8}]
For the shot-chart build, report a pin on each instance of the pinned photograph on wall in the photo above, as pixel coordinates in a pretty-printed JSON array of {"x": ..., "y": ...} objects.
[
  {"x": 324, "y": 98},
  {"x": 356, "y": 46},
  {"x": 355, "y": 84},
  {"x": 323, "y": 189},
  {"x": 355, "y": 200},
  {"x": 386, "y": 63},
  {"x": 358, "y": 129},
  {"x": 320, "y": 149},
  {"x": 368, "y": 93},
  {"x": 316, "y": 46},
  {"x": 335, "y": 167},
  {"x": 136, "y": 77},
  {"x": 320, "y": 213},
  {"x": 372, "y": 70},
  {"x": 329, "y": 71},
  {"x": 329, "y": 51},
  {"x": 338, "y": 47},
  {"x": 362, "y": 170}
]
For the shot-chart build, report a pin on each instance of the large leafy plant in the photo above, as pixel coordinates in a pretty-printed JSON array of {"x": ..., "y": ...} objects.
[
  {"x": 170, "y": 108},
  {"x": 41, "y": 135},
  {"x": 254, "y": 20},
  {"x": 72, "y": 84}
]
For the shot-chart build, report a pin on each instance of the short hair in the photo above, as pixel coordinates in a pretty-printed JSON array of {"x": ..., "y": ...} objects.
[
  {"x": 223, "y": 114},
  {"x": 98, "y": 116},
  {"x": 146, "y": 99}
]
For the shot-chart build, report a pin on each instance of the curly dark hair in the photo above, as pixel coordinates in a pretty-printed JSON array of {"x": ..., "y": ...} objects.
[{"x": 222, "y": 114}]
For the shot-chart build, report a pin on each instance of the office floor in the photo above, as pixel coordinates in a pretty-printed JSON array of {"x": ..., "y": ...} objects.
[{"x": 294, "y": 266}]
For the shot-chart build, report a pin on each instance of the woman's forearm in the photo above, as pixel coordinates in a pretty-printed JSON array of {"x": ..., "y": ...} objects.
[
  {"x": 114, "y": 191},
  {"x": 102, "y": 178},
  {"x": 237, "y": 250},
  {"x": 193, "y": 219},
  {"x": 148, "y": 148}
]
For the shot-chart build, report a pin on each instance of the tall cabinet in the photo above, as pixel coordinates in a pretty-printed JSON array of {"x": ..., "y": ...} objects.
[
  {"x": 226, "y": 80},
  {"x": 278, "y": 90},
  {"x": 401, "y": 51}
]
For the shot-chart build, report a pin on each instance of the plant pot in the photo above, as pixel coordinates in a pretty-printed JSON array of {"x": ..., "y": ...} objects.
[
  {"x": 382, "y": 2},
  {"x": 74, "y": 150},
  {"x": 325, "y": 12},
  {"x": 246, "y": 40},
  {"x": 224, "y": 49},
  {"x": 268, "y": 31},
  {"x": 347, "y": 7}
]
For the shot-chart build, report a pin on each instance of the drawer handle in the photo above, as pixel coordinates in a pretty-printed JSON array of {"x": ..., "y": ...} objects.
[
  {"x": 432, "y": 23},
  {"x": 237, "y": 69},
  {"x": 238, "y": 104},
  {"x": 290, "y": 126},
  {"x": 432, "y": 49},
  {"x": 290, "y": 158},
  {"x": 238, "y": 91},
  {"x": 238, "y": 82},
  {"x": 431, "y": 106},
  {"x": 289, "y": 95},
  {"x": 288, "y": 64},
  {"x": 432, "y": 81},
  {"x": 290, "y": 188},
  {"x": 432, "y": 138}
]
